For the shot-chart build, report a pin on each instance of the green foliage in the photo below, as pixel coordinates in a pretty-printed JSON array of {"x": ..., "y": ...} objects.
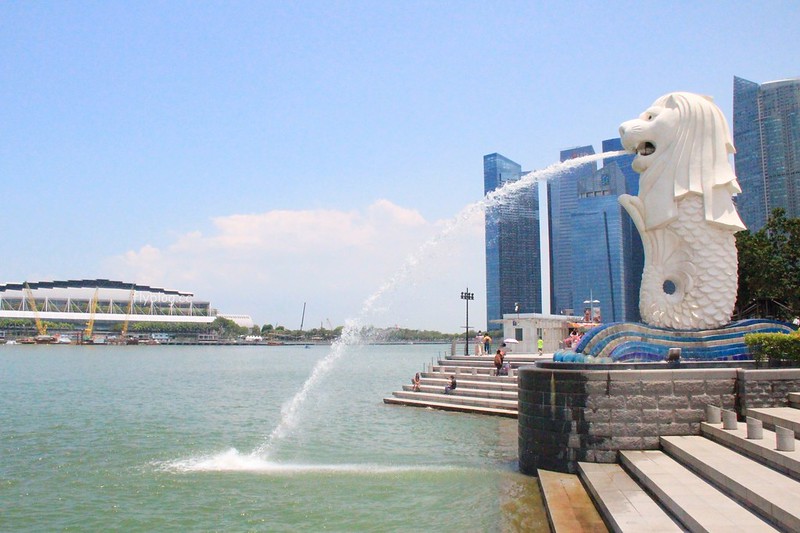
[
  {"x": 769, "y": 265},
  {"x": 774, "y": 346}
]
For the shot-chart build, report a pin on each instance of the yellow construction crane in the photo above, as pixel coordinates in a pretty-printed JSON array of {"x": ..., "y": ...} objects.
[
  {"x": 40, "y": 327},
  {"x": 87, "y": 333},
  {"x": 128, "y": 314}
]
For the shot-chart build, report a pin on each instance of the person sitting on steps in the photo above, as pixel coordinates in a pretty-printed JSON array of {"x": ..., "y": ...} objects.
[
  {"x": 415, "y": 383},
  {"x": 452, "y": 386}
]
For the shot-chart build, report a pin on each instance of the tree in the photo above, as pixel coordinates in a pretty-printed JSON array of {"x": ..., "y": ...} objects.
[{"x": 769, "y": 268}]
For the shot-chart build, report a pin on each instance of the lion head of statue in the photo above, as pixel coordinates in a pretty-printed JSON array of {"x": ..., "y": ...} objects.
[{"x": 682, "y": 144}]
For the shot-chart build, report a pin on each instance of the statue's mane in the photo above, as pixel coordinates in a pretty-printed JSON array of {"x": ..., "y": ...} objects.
[{"x": 698, "y": 157}]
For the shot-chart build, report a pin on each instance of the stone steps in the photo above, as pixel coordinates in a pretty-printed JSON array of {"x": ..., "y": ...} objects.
[
  {"x": 478, "y": 391},
  {"x": 569, "y": 507},
  {"x": 445, "y": 406},
  {"x": 768, "y": 492},
  {"x": 720, "y": 480},
  {"x": 695, "y": 502},
  {"x": 458, "y": 399},
  {"x": 786, "y": 417},
  {"x": 463, "y": 391},
  {"x": 625, "y": 505},
  {"x": 761, "y": 450}
]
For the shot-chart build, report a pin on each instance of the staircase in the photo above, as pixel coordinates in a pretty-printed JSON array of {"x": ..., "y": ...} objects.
[
  {"x": 478, "y": 391},
  {"x": 720, "y": 480}
]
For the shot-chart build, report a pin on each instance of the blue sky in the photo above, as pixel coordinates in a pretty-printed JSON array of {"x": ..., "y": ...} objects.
[{"x": 266, "y": 154}]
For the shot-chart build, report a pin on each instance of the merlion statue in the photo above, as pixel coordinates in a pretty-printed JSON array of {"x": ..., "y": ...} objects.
[{"x": 684, "y": 212}]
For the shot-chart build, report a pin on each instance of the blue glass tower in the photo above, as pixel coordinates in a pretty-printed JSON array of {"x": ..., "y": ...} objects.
[
  {"x": 563, "y": 195},
  {"x": 766, "y": 133},
  {"x": 513, "y": 255},
  {"x": 633, "y": 251},
  {"x": 603, "y": 267}
]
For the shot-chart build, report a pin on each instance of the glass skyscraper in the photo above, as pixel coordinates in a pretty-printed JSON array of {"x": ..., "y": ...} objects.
[
  {"x": 513, "y": 254},
  {"x": 766, "y": 133},
  {"x": 563, "y": 195},
  {"x": 606, "y": 267}
]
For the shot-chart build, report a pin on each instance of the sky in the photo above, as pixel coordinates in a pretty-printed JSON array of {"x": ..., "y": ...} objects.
[{"x": 267, "y": 155}]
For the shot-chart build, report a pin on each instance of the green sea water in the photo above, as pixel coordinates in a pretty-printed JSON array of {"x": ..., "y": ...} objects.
[{"x": 159, "y": 438}]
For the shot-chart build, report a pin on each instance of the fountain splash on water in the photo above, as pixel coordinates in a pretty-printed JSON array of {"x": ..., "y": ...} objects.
[{"x": 351, "y": 333}]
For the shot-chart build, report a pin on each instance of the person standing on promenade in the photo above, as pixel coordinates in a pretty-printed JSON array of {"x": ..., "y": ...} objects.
[
  {"x": 479, "y": 344},
  {"x": 540, "y": 345},
  {"x": 487, "y": 344}
]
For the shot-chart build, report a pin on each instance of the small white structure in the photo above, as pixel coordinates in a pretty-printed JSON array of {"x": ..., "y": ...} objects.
[{"x": 526, "y": 328}]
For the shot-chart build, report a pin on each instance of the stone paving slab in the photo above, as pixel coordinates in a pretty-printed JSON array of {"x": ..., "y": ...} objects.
[
  {"x": 625, "y": 505},
  {"x": 787, "y": 417},
  {"x": 569, "y": 507},
  {"x": 771, "y": 493},
  {"x": 696, "y": 503},
  {"x": 763, "y": 450}
]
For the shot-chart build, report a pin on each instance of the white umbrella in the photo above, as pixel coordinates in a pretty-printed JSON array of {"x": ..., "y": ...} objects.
[{"x": 511, "y": 341}]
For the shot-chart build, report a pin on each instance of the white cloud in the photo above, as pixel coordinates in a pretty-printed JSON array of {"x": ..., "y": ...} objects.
[{"x": 268, "y": 264}]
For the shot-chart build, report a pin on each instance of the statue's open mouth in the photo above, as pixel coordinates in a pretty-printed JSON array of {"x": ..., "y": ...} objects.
[{"x": 645, "y": 148}]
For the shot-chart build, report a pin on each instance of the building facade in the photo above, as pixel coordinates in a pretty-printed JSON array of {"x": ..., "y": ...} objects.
[
  {"x": 592, "y": 248},
  {"x": 563, "y": 201},
  {"x": 605, "y": 276},
  {"x": 766, "y": 133},
  {"x": 513, "y": 253}
]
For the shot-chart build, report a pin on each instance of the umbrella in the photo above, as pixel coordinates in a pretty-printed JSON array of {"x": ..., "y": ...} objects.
[{"x": 511, "y": 341}]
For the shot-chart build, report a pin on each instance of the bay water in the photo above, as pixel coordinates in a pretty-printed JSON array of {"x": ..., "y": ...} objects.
[{"x": 172, "y": 438}]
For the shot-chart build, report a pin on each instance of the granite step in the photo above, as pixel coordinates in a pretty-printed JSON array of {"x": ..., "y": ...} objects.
[
  {"x": 696, "y": 503},
  {"x": 773, "y": 495},
  {"x": 470, "y": 382},
  {"x": 625, "y": 505},
  {"x": 786, "y": 417},
  {"x": 457, "y": 399},
  {"x": 445, "y": 406},
  {"x": 463, "y": 391},
  {"x": 569, "y": 507},
  {"x": 762, "y": 450}
]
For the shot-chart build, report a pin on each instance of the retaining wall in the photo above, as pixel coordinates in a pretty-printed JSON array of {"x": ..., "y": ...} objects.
[{"x": 566, "y": 416}]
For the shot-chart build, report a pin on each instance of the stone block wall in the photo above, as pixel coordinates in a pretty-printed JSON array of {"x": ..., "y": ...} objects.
[
  {"x": 766, "y": 388},
  {"x": 567, "y": 416}
]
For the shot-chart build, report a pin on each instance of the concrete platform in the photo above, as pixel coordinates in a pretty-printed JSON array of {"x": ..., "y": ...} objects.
[
  {"x": 696, "y": 503},
  {"x": 624, "y": 504},
  {"x": 569, "y": 507},
  {"x": 770, "y": 493}
]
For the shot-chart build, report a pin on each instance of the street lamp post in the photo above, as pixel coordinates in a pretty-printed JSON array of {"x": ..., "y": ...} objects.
[{"x": 467, "y": 296}]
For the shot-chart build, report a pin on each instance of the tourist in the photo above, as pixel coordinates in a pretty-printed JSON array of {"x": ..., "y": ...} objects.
[
  {"x": 452, "y": 386},
  {"x": 479, "y": 344},
  {"x": 415, "y": 383},
  {"x": 540, "y": 345},
  {"x": 487, "y": 344},
  {"x": 498, "y": 362}
]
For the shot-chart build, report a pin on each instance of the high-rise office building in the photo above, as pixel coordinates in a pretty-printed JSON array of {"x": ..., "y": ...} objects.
[
  {"x": 563, "y": 200},
  {"x": 605, "y": 277},
  {"x": 513, "y": 254},
  {"x": 766, "y": 133}
]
